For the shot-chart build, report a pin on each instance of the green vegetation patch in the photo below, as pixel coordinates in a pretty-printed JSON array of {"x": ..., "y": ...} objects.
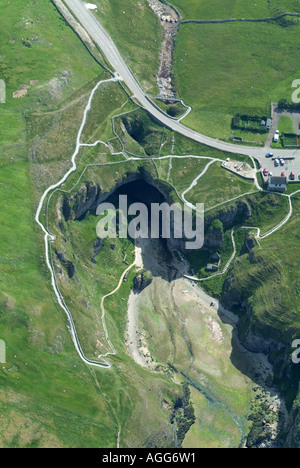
[
  {"x": 250, "y": 123},
  {"x": 138, "y": 35},
  {"x": 225, "y": 69},
  {"x": 286, "y": 124},
  {"x": 141, "y": 128},
  {"x": 41, "y": 52},
  {"x": 218, "y": 9},
  {"x": 269, "y": 280},
  {"x": 48, "y": 397},
  {"x": 226, "y": 186},
  {"x": 213, "y": 428}
]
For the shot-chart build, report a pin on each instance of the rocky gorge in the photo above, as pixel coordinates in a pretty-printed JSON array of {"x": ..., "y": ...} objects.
[{"x": 256, "y": 336}]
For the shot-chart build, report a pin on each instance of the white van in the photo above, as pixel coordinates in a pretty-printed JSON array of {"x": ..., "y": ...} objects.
[{"x": 276, "y": 136}]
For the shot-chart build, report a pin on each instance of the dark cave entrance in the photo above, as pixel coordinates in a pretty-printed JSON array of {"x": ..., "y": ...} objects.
[{"x": 141, "y": 191}]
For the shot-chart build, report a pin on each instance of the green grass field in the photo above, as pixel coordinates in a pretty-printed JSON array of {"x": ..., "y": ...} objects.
[
  {"x": 226, "y": 187},
  {"x": 48, "y": 397},
  {"x": 217, "y": 9},
  {"x": 137, "y": 34},
  {"x": 286, "y": 125},
  {"x": 211, "y": 426},
  {"x": 247, "y": 66},
  {"x": 31, "y": 37}
]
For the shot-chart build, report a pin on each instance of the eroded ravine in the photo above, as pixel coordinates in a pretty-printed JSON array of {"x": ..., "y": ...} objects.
[
  {"x": 197, "y": 340},
  {"x": 169, "y": 20}
]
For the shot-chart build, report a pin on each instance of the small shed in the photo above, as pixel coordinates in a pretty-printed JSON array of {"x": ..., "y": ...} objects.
[{"x": 211, "y": 267}]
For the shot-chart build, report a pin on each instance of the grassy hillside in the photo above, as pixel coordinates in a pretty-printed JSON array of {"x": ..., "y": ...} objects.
[
  {"x": 48, "y": 397},
  {"x": 227, "y": 186},
  {"x": 286, "y": 125},
  {"x": 137, "y": 33},
  {"x": 274, "y": 294},
  {"x": 38, "y": 45}
]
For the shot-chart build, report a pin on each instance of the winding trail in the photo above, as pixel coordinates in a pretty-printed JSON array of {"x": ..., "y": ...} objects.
[
  {"x": 113, "y": 352},
  {"x": 48, "y": 237},
  {"x": 194, "y": 183},
  {"x": 257, "y": 238},
  {"x": 97, "y": 32}
]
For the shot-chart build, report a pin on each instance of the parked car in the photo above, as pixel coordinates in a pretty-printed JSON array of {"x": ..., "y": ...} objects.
[
  {"x": 276, "y": 162},
  {"x": 281, "y": 162},
  {"x": 269, "y": 155},
  {"x": 276, "y": 136},
  {"x": 266, "y": 172},
  {"x": 283, "y": 174},
  {"x": 292, "y": 176}
]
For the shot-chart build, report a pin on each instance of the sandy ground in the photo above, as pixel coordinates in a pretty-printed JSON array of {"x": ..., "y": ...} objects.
[
  {"x": 178, "y": 291},
  {"x": 137, "y": 347},
  {"x": 170, "y": 290}
]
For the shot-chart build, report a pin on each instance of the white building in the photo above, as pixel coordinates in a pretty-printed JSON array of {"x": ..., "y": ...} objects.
[{"x": 277, "y": 184}]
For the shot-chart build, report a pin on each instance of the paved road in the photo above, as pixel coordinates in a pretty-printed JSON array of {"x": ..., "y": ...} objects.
[{"x": 104, "y": 41}]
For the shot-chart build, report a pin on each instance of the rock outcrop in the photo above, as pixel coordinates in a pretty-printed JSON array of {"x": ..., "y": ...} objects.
[
  {"x": 141, "y": 280},
  {"x": 231, "y": 215},
  {"x": 87, "y": 198},
  {"x": 71, "y": 270}
]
